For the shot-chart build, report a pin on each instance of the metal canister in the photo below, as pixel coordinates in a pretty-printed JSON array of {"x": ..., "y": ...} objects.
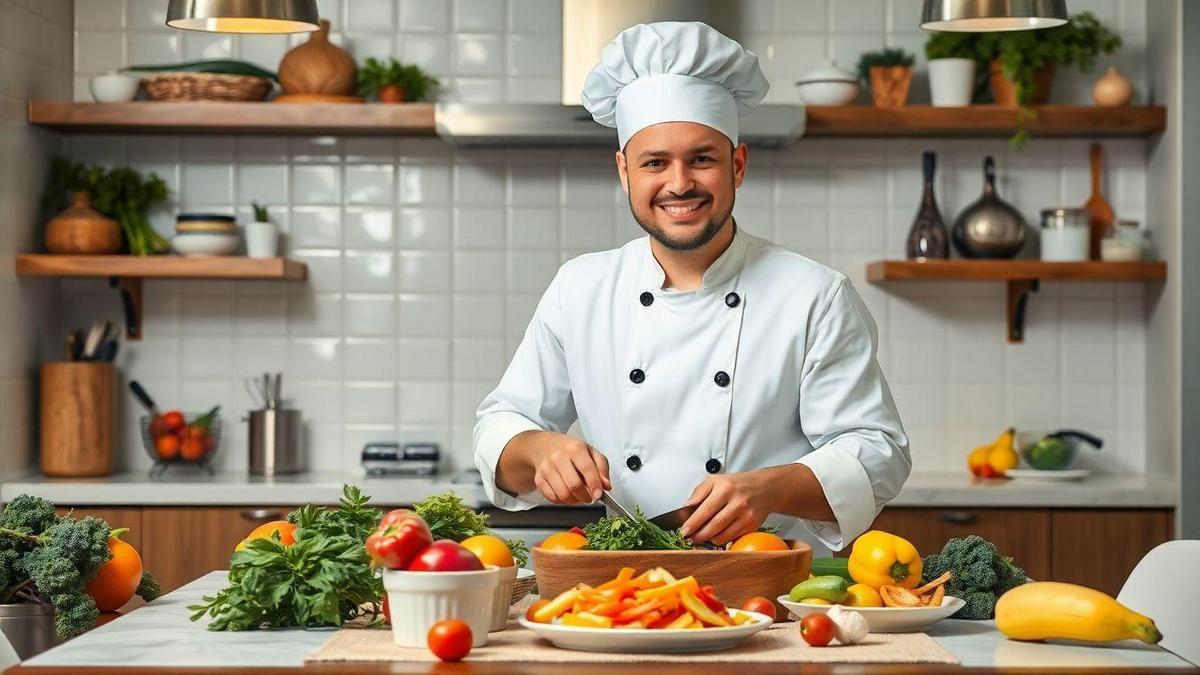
[
  {"x": 275, "y": 444},
  {"x": 29, "y": 628}
]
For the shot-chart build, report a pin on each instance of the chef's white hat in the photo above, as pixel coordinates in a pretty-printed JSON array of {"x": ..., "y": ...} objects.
[{"x": 673, "y": 72}]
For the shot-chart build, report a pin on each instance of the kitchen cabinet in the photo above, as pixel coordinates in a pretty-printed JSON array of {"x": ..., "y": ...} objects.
[
  {"x": 1099, "y": 547},
  {"x": 183, "y": 543}
]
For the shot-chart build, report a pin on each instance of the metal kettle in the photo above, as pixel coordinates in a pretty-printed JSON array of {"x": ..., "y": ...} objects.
[{"x": 990, "y": 227}]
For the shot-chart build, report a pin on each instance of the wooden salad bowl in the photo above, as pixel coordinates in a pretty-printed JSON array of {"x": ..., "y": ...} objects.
[{"x": 734, "y": 576}]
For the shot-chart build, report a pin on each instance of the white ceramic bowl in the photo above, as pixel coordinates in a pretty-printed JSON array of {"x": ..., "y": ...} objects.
[
  {"x": 418, "y": 600},
  {"x": 204, "y": 243},
  {"x": 827, "y": 92},
  {"x": 114, "y": 88},
  {"x": 886, "y": 619},
  {"x": 502, "y": 598}
]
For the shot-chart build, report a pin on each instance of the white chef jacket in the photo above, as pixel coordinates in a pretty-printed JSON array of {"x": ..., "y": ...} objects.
[{"x": 772, "y": 361}]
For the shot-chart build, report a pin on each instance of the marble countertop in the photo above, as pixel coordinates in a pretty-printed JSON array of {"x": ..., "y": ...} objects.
[
  {"x": 201, "y": 489},
  {"x": 160, "y": 635}
]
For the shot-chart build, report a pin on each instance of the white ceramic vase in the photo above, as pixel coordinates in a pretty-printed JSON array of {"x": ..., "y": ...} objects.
[
  {"x": 262, "y": 240},
  {"x": 951, "y": 82}
]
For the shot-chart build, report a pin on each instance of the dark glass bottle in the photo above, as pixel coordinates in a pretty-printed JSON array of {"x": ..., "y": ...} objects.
[{"x": 928, "y": 237}]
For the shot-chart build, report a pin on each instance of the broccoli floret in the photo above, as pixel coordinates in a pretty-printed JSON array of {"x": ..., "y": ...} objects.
[
  {"x": 980, "y": 605},
  {"x": 28, "y": 514},
  {"x": 74, "y": 613},
  {"x": 84, "y": 543},
  {"x": 148, "y": 589}
]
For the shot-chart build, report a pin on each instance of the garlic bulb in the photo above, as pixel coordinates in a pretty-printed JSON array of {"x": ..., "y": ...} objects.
[{"x": 849, "y": 626}]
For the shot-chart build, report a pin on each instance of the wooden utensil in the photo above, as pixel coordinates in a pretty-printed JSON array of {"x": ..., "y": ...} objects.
[
  {"x": 1100, "y": 212},
  {"x": 78, "y": 419}
]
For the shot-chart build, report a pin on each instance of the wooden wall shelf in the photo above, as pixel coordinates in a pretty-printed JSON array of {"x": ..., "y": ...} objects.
[
  {"x": 417, "y": 119},
  {"x": 126, "y": 272},
  {"x": 1022, "y": 277}
]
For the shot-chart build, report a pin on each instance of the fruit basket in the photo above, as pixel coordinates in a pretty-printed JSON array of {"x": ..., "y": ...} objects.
[
  {"x": 181, "y": 438},
  {"x": 736, "y": 576}
]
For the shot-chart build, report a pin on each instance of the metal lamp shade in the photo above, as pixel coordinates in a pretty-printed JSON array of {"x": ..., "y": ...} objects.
[
  {"x": 244, "y": 16},
  {"x": 987, "y": 16}
]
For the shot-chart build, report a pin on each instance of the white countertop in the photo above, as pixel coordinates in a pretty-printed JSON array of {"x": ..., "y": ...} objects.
[
  {"x": 201, "y": 489},
  {"x": 160, "y": 634}
]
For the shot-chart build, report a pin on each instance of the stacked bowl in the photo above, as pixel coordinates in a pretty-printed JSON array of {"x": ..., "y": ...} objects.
[{"x": 205, "y": 234}]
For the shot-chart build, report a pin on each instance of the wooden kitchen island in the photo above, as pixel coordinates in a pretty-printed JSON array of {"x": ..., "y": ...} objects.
[{"x": 159, "y": 638}]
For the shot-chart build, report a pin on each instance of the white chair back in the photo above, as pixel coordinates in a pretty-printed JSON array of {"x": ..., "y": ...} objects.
[{"x": 1160, "y": 587}]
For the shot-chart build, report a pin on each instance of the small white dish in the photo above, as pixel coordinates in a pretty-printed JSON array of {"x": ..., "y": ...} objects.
[
  {"x": 642, "y": 641},
  {"x": 1059, "y": 476},
  {"x": 828, "y": 85},
  {"x": 204, "y": 244},
  {"x": 502, "y": 596},
  {"x": 887, "y": 619},
  {"x": 418, "y": 600},
  {"x": 114, "y": 88}
]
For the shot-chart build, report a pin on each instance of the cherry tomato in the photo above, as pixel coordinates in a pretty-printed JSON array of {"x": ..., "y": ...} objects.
[
  {"x": 761, "y": 605},
  {"x": 174, "y": 420},
  {"x": 167, "y": 446},
  {"x": 816, "y": 629},
  {"x": 450, "y": 640}
]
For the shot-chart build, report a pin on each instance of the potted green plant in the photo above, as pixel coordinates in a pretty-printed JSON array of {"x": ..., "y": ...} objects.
[
  {"x": 393, "y": 82},
  {"x": 890, "y": 73},
  {"x": 952, "y": 71},
  {"x": 121, "y": 193}
]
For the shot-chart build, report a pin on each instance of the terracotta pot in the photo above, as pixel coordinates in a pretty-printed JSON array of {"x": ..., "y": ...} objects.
[
  {"x": 1112, "y": 89},
  {"x": 82, "y": 230},
  {"x": 1005, "y": 91},
  {"x": 889, "y": 85},
  {"x": 392, "y": 93},
  {"x": 318, "y": 67}
]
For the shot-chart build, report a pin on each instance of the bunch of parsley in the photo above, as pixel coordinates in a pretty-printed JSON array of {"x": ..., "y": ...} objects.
[
  {"x": 324, "y": 579},
  {"x": 618, "y": 533}
]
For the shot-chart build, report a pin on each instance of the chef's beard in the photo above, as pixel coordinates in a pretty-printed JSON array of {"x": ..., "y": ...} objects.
[{"x": 711, "y": 228}]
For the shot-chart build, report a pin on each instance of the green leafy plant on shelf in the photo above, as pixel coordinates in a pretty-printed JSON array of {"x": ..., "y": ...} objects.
[
  {"x": 394, "y": 82},
  {"x": 121, "y": 193},
  {"x": 1021, "y": 54},
  {"x": 891, "y": 56}
]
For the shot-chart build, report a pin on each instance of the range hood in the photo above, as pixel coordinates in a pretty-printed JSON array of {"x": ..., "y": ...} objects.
[{"x": 589, "y": 25}]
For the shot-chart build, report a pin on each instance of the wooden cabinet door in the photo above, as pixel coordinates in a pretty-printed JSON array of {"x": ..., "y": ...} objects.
[
  {"x": 1098, "y": 548},
  {"x": 115, "y": 516},
  {"x": 1021, "y": 533},
  {"x": 185, "y": 543}
]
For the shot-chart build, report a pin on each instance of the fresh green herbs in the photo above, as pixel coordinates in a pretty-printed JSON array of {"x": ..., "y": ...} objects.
[
  {"x": 892, "y": 56},
  {"x": 120, "y": 193},
  {"x": 324, "y": 579},
  {"x": 48, "y": 559},
  {"x": 374, "y": 75},
  {"x": 618, "y": 533},
  {"x": 449, "y": 518}
]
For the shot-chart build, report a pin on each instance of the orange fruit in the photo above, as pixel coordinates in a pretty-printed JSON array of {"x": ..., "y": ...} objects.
[
  {"x": 117, "y": 580},
  {"x": 167, "y": 446},
  {"x": 564, "y": 541},
  {"x": 490, "y": 550},
  {"x": 192, "y": 449},
  {"x": 759, "y": 541},
  {"x": 286, "y": 530}
]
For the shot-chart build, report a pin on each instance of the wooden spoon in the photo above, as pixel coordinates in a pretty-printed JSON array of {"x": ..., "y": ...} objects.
[{"x": 1100, "y": 212}]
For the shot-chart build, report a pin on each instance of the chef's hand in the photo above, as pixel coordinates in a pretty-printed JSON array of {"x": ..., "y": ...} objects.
[
  {"x": 569, "y": 471},
  {"x": 730, "y": 505}
]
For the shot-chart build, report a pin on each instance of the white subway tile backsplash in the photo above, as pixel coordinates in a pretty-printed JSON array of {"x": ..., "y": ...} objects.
[
  {"x": 198, "y": 46},
  {"x": 262, "y": 183},
  {"x": 431, "y": 52},
  {"x": 424, "y": 402},
  {"x": 478, "y": 271},
  {"x": 424, "y": 271},
  {"x": 369, "y": 15},
  {"x": 478, "y": 15},
  {"x": 425, "y": 228},
  {"x": 369, "y": 403},
  {"x": 424, "y": 315},
  {"x": 369, "y": 272},
  {"x": 369, "y": 184},
  {"x": 425, "y": 183},
  {"x": 316, "y": 184},
  {"x": 369, "y": 227},
  {"x": 528, "y": 55},
  {"x": 314, "y": 227},
  {"x": 423, "y": 358},
  {"x": 479, "y": 228},
  {"x": 479, "y": 55},
  {"x": 479, "y": 184},
  {"x": 153, "y": 48},
  {"x": 314, "y": 358},
  {"x": 478, "y": 358},
  {"x": 424, "y": 15},
  {"x": 479, "y": 315},
  {"x": 315, "y": 315},
  {"x": 369, "y": 315}
]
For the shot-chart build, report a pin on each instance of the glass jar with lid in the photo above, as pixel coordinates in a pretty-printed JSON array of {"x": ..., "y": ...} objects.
[
  {"x": 1065, "y": 234},
  {"x": 1124, "y": 242}
]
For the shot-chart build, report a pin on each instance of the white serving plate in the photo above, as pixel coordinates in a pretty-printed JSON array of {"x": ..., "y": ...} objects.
[
  {"x": 887, "y": 619},
  {"x": 1057, "y": 476},
  {"x": 642, "y": 641}
]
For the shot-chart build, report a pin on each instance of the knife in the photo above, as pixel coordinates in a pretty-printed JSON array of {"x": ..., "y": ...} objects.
[
  {"x": 608, "y": 500},
  {"x": 672, "y": 520}
]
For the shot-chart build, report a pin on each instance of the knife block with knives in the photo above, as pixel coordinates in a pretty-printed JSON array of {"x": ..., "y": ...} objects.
[{"x": 78, "y": 418}]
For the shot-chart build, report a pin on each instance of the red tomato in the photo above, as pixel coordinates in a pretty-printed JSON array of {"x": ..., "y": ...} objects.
[
  {"x": 444, "y": 555},
  {"x": 761, "y": 605},
  {"x": 450, "y": 640},
  {"x": 157, "y": 426},
  {"x": 387, "y": 611},
  {"x": 174, "y": 421},
  {"x": 398, "y": 539},
  {"x": 816, "y": 629}
]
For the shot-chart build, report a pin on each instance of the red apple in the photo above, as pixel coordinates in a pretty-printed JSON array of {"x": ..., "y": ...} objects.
[{"x": 444, "y": 555}]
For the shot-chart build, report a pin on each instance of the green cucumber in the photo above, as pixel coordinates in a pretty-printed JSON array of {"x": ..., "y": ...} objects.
[
  {"x": 220, "y": 66},
  {"x": 836, "y": 566},
  {"x": 829, "y": 587}
]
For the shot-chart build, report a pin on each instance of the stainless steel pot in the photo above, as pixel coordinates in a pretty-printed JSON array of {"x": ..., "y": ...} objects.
[
  {"x": 275, "y": 444},
  {"x": 29, "y": 628},
  {"x": 990, "y": 227}
]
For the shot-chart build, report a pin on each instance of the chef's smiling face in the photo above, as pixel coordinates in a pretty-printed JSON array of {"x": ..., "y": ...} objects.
[{"x": 681, "y": 178}]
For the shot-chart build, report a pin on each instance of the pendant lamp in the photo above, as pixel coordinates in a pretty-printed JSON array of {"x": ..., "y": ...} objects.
[
  {"x": 244, "y": 16},
  {"x": 987, "y": 16}
]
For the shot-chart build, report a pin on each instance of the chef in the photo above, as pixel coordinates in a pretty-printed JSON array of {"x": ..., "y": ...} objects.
[{"x": 704, "y": 366}]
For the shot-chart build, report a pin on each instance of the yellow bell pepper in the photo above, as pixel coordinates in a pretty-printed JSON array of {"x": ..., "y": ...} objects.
[{"x": 880, "y": 558}]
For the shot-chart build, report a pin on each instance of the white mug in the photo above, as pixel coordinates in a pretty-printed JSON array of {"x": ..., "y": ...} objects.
[{"x": 262, "y": 240}]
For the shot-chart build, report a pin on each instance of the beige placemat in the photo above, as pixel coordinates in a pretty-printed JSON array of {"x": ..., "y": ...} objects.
[{"x": 780, "y": 643}]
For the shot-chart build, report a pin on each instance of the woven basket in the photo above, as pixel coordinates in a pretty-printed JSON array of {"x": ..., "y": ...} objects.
[
  {"x": 522, "y": 588},
  {"x": 184, "y": 86}
]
